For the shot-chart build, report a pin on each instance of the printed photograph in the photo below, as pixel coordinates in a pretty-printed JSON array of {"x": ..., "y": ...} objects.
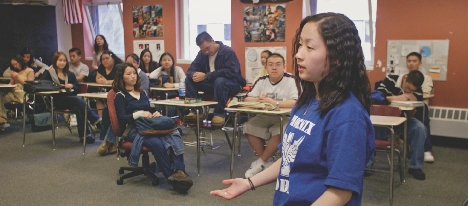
[
  {"x": 265, "y": 23},
  {"x": 147, "y": 21}
]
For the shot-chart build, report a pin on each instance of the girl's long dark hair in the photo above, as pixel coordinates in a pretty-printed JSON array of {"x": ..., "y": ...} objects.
[
  {"x": 119, "y": 85},
  {"x": 117, "y": 60},
  {"x": 347, "y": 71},
  {"x": 152, "y": 64},
  {"x": 27, "y": 50},
  {"x": 19, "y": 59},
  {"x": 105, "y": 46},
  {"x": 171, "y": 73}
]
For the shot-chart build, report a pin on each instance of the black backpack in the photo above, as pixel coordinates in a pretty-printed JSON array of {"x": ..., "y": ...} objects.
[{"x": 40, "y": 86}]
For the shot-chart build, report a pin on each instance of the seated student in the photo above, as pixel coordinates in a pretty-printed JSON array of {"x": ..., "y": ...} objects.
[
  {"x": 130, "y": 103},
  {"x": 59, "y": 73},
  {"x": 277, "y": 88},
  {"x": 168, "y": 68},
  {"x": 215, "y": 70},
  {"x": 410, "y": 90},
  {"x": 166, "y": 71},
  {"x": 79, "y": 69},
  {"x": 19, "y": 73},
  {"x": 413, "y": 62},
  {"x": 135, "y": 61},
  {"x": 106, "y": 73},
  {"x": 264, "y": 55},
  {"x": 147, "y": 64},
  {"x": 28, "y": 56}
]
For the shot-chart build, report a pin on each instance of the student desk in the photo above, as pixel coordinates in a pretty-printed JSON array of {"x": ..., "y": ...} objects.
[
  {"x": 2, "y": 86},
  {"x": 87, "y": 96},
  {"x": 50, "y": 95},
  {"x": 96, "y": 84},
  {"x": 280, "y": 113},
  {"x": 180, "y": 103},
  {"x": 390, "y": 122},
  {"x": 5, "y": 80}
]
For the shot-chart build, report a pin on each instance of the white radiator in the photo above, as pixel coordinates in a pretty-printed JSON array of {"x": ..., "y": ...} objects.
[{"x": 449, "y": 122}]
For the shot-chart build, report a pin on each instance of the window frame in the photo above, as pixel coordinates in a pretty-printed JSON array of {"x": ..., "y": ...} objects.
[
  {"x": 90, "y": 23},
  {"x": 369, "y": 64}
]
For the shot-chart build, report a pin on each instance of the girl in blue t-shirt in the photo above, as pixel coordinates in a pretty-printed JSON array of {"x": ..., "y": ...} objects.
[{"x": 329, "y": 137}]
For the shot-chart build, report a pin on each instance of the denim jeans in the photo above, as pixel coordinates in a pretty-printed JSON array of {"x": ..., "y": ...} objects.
[
  {"x": 222, "y": 88},
  {"x": 167, "y": 161},
  {"x": 77, "y": 104},
  {"x": 417, "y": 134}
]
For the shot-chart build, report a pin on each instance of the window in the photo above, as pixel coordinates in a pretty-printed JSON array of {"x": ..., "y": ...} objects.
[
  {"x": 106, "y": 19},
  {"x": 360, "y": 16},
  {"x": 196, "y": 18}
]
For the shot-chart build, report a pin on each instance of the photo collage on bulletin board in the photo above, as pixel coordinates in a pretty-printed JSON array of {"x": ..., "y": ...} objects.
[
  {"x": 156, "y": 47},
  {"x": 434, "y": 55},
  {"x": 147, "y": 21},
  {"x": 253, "y": 63},
  {"x": 264, "y": 23}
]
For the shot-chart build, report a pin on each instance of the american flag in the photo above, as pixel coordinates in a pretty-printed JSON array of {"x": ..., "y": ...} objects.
[{"x": 73, "y": 11}]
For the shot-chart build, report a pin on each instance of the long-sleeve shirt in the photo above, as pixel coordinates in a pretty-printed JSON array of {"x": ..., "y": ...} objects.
[{"x": 226, "y": 65}]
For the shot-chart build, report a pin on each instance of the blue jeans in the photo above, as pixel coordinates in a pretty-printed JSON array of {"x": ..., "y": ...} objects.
[
  {"x": 166, "y": 160},
  {"x": 222, "y": 88},
  {"x": 417, "y": 134},
  {"x": 77, "y": 104}
]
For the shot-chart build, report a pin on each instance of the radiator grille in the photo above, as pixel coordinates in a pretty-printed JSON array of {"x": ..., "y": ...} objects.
[
  {"x": 448, "y": 113},
  {"x": 449, "y": 122}
]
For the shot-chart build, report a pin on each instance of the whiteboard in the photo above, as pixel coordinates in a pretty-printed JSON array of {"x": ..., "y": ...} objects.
[{"x": 434, "y": 56}]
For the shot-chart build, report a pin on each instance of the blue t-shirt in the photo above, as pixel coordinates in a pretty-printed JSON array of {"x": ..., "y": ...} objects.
[{"x": 323, "y": 152}]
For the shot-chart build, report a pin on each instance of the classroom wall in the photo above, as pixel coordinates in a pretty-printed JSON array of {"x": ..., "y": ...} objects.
[
  {"x": 437, "y": 19},
  {"x": 293, "y": 20}
]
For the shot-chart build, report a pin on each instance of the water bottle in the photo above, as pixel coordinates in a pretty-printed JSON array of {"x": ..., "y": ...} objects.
[{"x": 182, "y": 90}]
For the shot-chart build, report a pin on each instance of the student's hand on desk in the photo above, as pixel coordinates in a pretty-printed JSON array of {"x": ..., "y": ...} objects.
[
  {"x": 266, "y": 99},
  {"x": 168, "y": 85},
  {"x": 198, "y": 76},
  {"x": 36, "y": 74},
  {"x": 402, "y": 97},
  {"x": 67, "y": 86}
]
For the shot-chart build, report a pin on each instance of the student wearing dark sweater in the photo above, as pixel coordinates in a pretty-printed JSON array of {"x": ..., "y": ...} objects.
[
  {"x": 60, "y": 74},
  {"x": 132, "y": 102}
]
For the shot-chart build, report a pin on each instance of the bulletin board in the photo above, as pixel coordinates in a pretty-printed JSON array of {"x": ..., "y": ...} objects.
[
  {"x": 156, "y": 47},
  {"x": 253, "y": 63},
  {"x": 434, "y": 56}
]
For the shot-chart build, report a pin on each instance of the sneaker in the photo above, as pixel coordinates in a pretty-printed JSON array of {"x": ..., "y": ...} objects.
[
  {"x": 256, "y": 167},
  {"x": 428, "y": 157},
  {"x": 180, "y": 181},
  {"x": 192, "y": 116},
  {"x": 112, "y": 149},
  {"x": 104, "y": 147},
  {"x": 217, "y": 121},
  {"x": 417, "y": 174}
]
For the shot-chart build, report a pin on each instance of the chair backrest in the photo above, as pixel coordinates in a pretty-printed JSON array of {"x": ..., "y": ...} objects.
[
  {"x": 385, "y": 110},
  {"x": 82, "y": 88},
  {"x": 113, "y": 114}
]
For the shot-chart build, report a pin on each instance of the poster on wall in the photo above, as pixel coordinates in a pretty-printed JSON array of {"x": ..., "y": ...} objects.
[
  {"x": 147, "y": 21},
  {"x": 434, "y": 57},
  {"x": 264, "y": 23},
  {"x": 253, "y": 60},
  {"x": 156, "y": 47}
]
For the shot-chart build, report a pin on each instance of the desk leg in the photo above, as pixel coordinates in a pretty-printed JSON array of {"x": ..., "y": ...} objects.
[
  {"x": 53, "y": 125},
  {"x": 405, "y": 149},
  {"x": 84, "y": 126},
  {"x": 392, "y": 140},
  {"x": 24, "y": 119},
  {"x": 234, "y": 136},
  {"x": 198, "y": 142}
]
